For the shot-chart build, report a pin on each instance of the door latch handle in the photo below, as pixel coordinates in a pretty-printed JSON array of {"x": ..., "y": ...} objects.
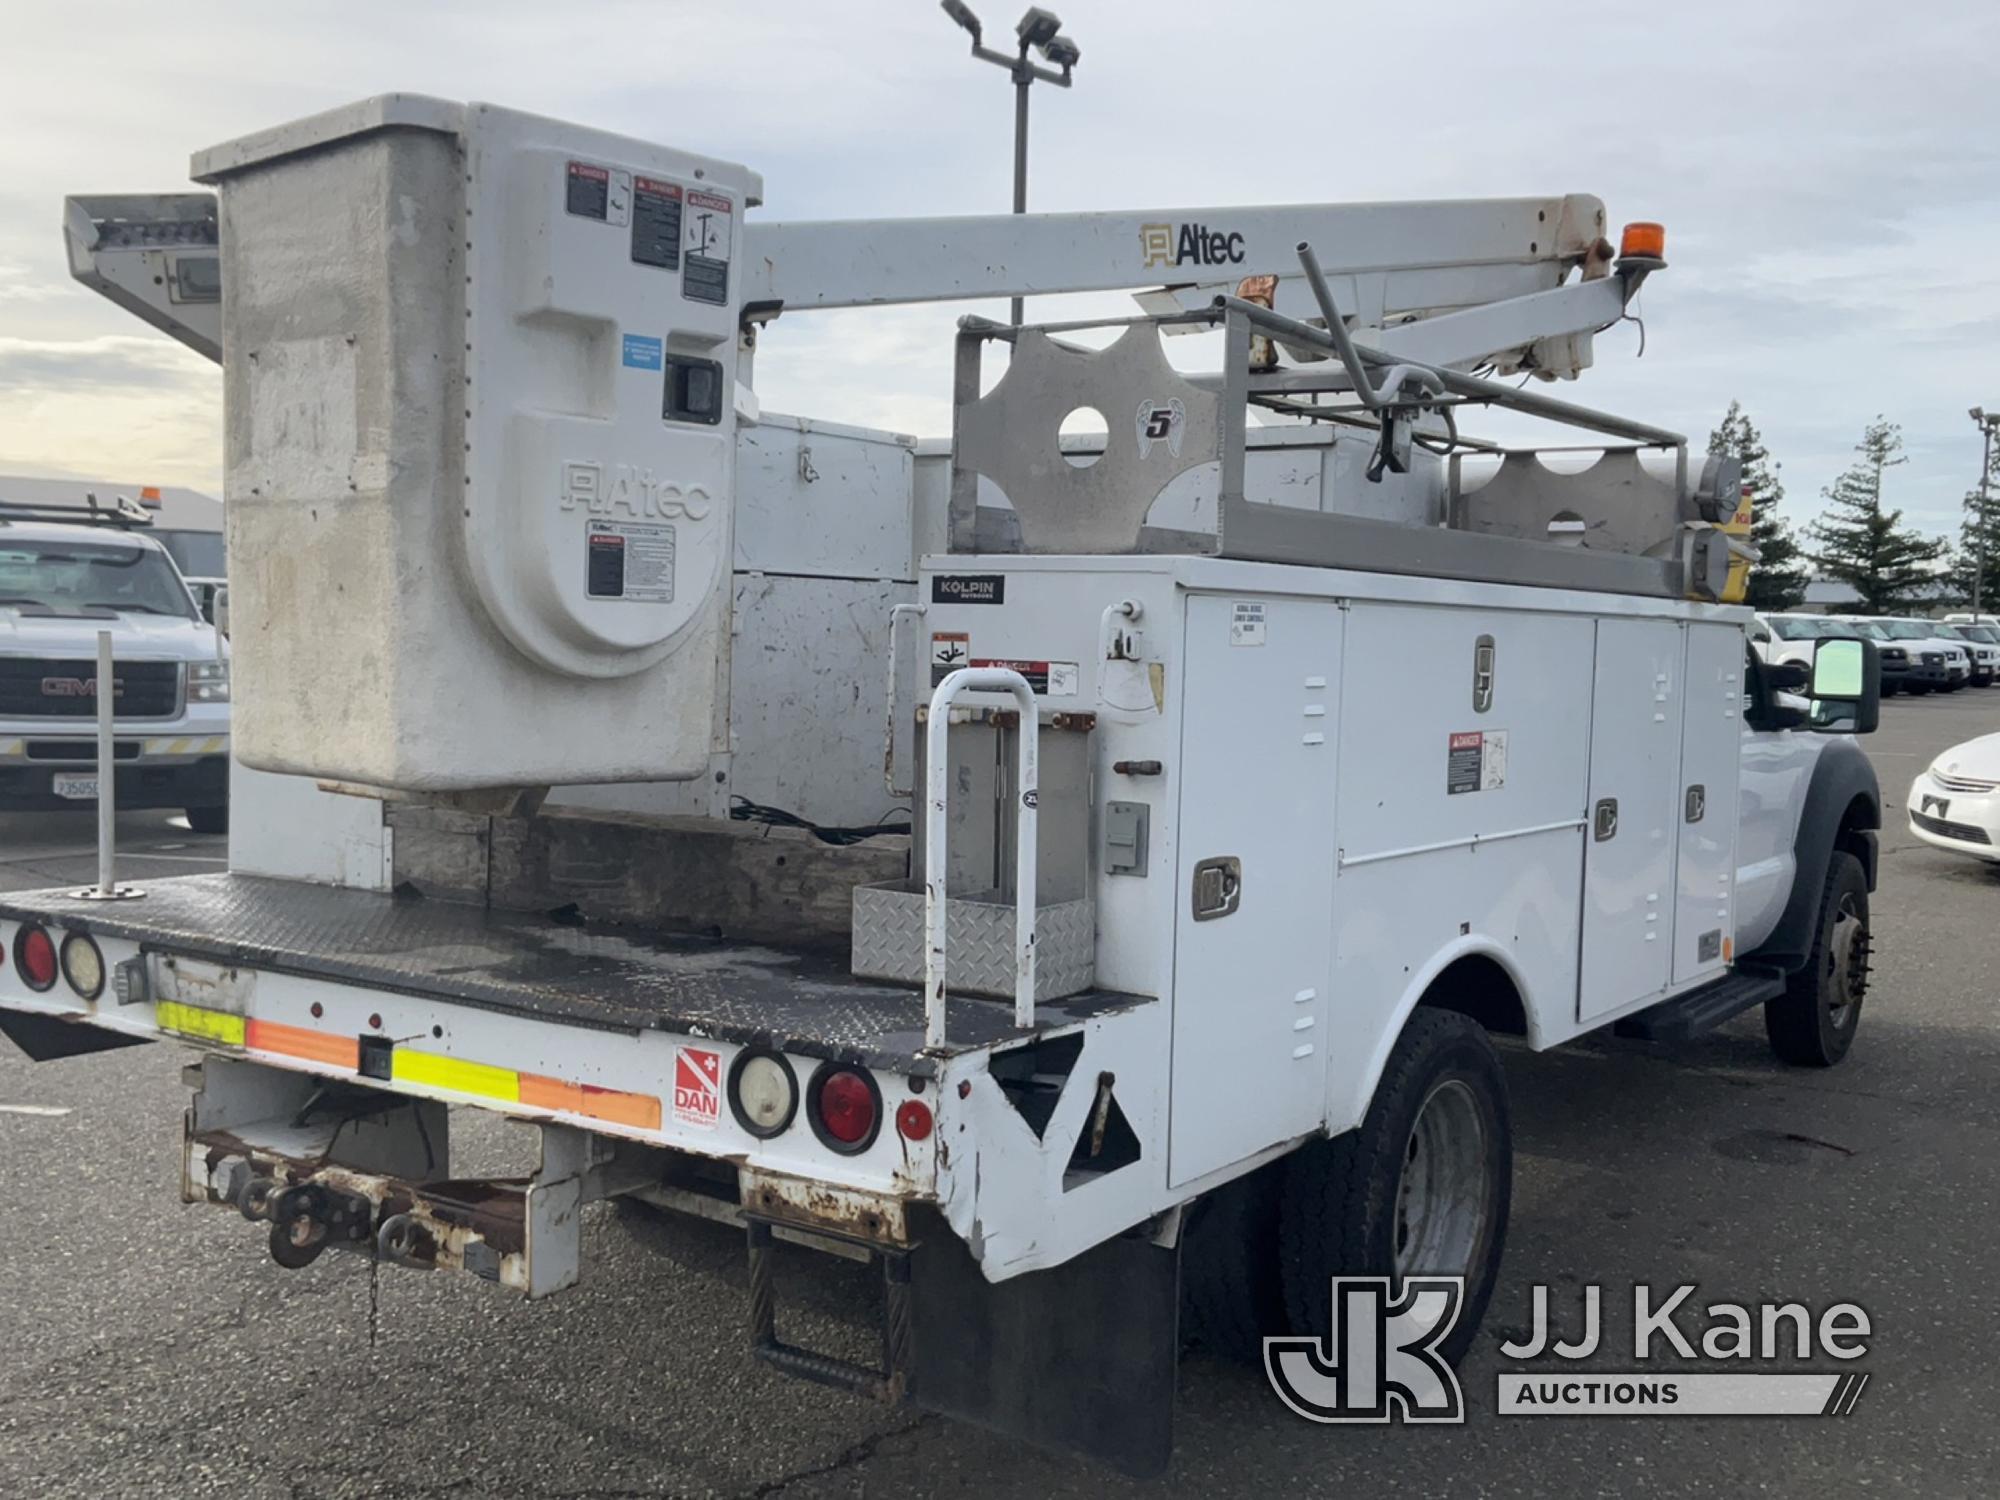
[
  {"x": 1217, "y": 887},
  {"x": 1604, "y": 822}
]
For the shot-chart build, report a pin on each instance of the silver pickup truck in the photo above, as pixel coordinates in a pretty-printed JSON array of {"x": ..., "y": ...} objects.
[{"x": 60, "y": 584}]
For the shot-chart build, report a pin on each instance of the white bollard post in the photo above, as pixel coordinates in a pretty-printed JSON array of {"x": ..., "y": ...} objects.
[
  {"x": 107, "y": 761},
  {"x": 107, "y": 887}
]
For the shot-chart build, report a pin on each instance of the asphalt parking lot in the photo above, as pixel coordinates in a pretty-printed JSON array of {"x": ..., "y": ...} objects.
[{"x": 153, "y": 1349}]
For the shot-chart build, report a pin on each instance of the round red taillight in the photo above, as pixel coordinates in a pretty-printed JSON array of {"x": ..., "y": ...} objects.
[
  {"x": 35, "y": 957},
  {"x": 913, "y": 1120},
  {"x": 846, "y": 1108}
]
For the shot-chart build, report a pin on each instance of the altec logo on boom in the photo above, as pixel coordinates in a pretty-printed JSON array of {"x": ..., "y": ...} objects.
[{"x": 1189, "y": 245}]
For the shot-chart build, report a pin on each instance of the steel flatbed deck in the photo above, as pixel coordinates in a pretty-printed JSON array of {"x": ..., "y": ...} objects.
[{"x": 548, "y": 969}]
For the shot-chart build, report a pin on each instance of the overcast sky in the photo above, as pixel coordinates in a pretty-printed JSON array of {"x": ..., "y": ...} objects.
[{"x": 1829, "y": 174}]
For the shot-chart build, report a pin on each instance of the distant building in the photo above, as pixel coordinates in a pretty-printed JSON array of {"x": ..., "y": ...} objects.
[{"x": 187, "y": 522}]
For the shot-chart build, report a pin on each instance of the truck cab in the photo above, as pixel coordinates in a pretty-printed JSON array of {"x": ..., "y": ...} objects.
[{"x": 61, "y": 585}]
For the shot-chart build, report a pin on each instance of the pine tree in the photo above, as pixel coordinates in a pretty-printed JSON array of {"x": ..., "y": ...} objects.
[
  {"x": 1965, "y": 557},
  {"x": 1778, "y": 579},
  {"x": 1866, "y": 546}
]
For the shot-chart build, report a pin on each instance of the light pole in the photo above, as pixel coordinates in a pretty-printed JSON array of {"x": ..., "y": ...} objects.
[
  {"x": 1987, "y": 422},
  {"x": 1041, "y": 30}
]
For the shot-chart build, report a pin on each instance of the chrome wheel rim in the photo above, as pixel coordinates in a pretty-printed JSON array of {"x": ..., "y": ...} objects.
[{"x": 1444, "y": 1195}]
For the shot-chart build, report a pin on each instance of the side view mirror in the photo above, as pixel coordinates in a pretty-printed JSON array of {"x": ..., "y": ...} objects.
[
  {"x": 1846, "y": 687},
  {"x": 218, "y": 610}
]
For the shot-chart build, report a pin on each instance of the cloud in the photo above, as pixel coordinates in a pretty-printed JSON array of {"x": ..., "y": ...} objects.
[{"x": 114, "y": 361}]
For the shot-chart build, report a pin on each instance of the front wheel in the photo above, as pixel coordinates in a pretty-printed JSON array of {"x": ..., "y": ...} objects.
[
  {"x": 1422, "y": 1187},
  {"x": 1813, "y": 1023}
]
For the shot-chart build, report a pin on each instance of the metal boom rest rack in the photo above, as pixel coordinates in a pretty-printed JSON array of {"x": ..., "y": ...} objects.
[{"x": 1614, "y": 527}]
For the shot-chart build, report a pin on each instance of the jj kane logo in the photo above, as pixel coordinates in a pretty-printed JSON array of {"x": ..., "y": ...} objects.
[
  {"x": 1381, "y": 1357},
  {"x": 1189, "y": 245}
]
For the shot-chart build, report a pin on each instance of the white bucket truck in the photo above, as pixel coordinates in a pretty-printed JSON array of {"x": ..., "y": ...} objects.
[{"x": 1258, "y": 774}]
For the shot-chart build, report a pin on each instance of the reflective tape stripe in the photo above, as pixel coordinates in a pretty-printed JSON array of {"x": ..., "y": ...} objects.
[
  {"x": 433, "y": 1070},
  {"x": 642, "y": 1111},
  {"x": 407, "y": 1065},
  {"x": 297, "y": 1041},
  {"x": 193, "y": 1020},
  {"x": 12, "y": 749},
  {"x": 204, "y": 744}
]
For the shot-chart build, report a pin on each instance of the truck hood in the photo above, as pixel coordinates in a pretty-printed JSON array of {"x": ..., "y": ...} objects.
[
  {"x": 144, "y": 636},
  {"x": 1978, "y": 759}
]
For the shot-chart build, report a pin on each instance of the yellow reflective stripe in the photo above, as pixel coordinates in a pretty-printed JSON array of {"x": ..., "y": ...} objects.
[
  {"x": 11, "y": 748},
  {"x": 212, "y": 744},
  {"x": 431, "y": 1070},
  {"x": 193, "y": 1020}
]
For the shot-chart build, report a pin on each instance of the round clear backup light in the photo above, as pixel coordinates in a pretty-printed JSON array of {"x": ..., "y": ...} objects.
[
  {"x": 83, "y": 965},
  {"x": 763, "y": 1092}
]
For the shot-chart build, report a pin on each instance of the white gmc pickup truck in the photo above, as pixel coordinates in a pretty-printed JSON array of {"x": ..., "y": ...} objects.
[{"x": 60, "y": 584}]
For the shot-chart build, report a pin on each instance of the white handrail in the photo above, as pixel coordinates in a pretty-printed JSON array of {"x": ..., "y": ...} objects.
[{"x": 937, "y": 778}]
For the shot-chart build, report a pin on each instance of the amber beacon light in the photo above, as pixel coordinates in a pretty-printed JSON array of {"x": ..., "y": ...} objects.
[{"x": 1643, "y": 240}]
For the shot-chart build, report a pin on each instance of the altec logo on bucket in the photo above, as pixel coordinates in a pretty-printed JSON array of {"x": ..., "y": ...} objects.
[{"x": 698, "y": 1087}]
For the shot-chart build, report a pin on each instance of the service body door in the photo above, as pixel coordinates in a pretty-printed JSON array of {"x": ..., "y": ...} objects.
[
  {"x": 1634, "y": 812},
  {"x": 1254, "y": 878},
  {"x": 1711, "y": 763}
]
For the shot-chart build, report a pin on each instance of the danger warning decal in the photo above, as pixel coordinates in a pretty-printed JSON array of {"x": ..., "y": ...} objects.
[
  {"x": 1476, "y": 761},
  {"x": 601, "y": 193},
  {"x": 1054, "y": 679},
  {"x": 706, "y": 225},
  {"x": 698, "y": 1087}
]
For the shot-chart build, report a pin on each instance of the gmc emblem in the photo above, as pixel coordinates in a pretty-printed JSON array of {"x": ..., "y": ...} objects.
[{"x": 77, "y": 687}]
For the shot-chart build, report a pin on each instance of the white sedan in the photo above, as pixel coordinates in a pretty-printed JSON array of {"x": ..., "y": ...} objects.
[{"x": 1955, "y": 803}]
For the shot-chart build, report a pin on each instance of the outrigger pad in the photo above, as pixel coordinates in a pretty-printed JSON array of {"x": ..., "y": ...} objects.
[
  {"x": 1082, "y": 1357},
  {"x": 46, "y": 1038}
]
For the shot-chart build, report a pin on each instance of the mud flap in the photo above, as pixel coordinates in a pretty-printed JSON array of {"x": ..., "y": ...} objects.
[
  {"x": 45, "y": 1038},
  {"x": 1081, "y": 1358}
]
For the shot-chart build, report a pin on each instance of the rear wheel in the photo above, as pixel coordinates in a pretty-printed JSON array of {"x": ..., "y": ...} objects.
[
  {"x": 208, "y": 819},
  {"x": 1422, "y": 1187},
  {"x": 1813, "y": 1023},
  {"x": 1230, "y": 1293}
]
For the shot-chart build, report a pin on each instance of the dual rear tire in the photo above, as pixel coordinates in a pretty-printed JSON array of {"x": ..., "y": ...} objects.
[{"x": 1421, "y": 1187}]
